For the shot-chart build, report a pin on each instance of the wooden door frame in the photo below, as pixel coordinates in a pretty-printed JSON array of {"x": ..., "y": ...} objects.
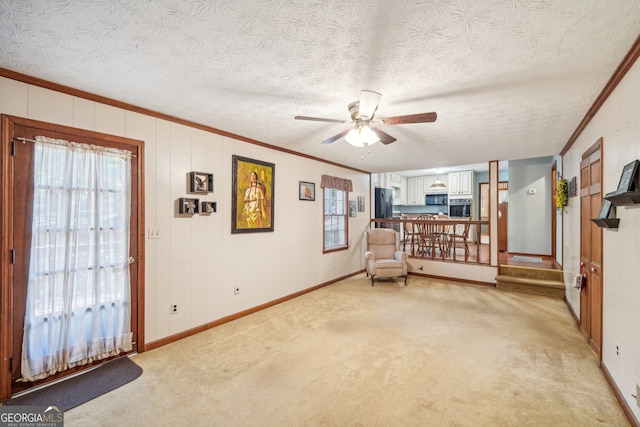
[
  {"x": 554, "y": 213},
  {"x": 7, "y": 235},
  {"x": 480, "y": 184},
  {"x": 586, "y": 331}
]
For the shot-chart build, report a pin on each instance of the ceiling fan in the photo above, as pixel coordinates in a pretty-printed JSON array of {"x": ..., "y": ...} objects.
[{"x": 362, "y": 115}]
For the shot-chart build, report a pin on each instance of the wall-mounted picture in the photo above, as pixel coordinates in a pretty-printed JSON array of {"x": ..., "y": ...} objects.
[
  {"x": 187, "y": 205},
  {"x": 252, "y": 195},
  {"x": 360, "y": 203},
  {"x": 306, "y": 190},
  {"x": 208, "y": 207},
  {"x": 352, "y": 208},
  {"x": 200, "y": 182},
  {"x": 628, "y": 177}
]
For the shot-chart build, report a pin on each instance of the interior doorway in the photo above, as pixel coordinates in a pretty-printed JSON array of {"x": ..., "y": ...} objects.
[
  {"x": 17, "y": 155},
  {"x": 503, "y": 210}
]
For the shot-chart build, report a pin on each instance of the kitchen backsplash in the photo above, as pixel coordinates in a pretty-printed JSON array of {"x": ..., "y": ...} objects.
[{"x": 411, "y": 210}]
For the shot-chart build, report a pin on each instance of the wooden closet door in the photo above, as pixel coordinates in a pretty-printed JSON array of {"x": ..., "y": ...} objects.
[{"x": 591, "y": 246}]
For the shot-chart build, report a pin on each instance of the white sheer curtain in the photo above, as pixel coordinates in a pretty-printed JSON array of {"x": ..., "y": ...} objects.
[{"x": 79, "y": 294}]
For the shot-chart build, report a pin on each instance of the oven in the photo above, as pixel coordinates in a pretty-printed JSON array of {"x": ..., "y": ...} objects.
[{"x": 459, "y": 208}]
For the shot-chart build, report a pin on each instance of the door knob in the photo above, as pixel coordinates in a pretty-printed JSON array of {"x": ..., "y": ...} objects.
[
  {"x": 593, "y": 269},
  {"x": 131, "y": 260}
]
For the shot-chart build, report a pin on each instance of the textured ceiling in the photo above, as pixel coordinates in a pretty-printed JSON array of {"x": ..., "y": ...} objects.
[{"x": 508, "y": 79}]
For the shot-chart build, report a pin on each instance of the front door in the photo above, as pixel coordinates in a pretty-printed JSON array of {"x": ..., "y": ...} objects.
[
  {"x": 591, "y": 246},
  {"x": 17, "y": 202}
]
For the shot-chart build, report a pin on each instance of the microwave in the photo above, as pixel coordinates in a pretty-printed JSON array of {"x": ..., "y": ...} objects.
[{"x": 436, "y": 199}]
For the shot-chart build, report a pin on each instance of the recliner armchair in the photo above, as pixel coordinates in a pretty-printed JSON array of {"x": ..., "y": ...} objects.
[{"x": 383, "y": 255}]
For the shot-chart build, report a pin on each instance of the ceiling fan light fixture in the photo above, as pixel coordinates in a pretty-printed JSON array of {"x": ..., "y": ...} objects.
[
  {"x": 361, "y": 136},
  {"x": 368, "y": 136},
  {"x": 353, "y": 138},
  {"x": 362, "y": 114}
]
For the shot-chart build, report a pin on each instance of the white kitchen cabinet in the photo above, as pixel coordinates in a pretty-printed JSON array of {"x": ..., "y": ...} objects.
[
  {"x": 399, "y": 184},
  {"x": 415, "y": 190},
  {"x": 461, "y": 184},
  {"x": 395, "y": 180}
]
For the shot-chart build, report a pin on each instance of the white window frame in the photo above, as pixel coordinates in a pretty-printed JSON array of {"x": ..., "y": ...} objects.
[{"x": 335, "y": 224}]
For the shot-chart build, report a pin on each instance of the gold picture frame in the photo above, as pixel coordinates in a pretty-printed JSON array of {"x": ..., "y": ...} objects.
[{"x": 253, "y": 195}]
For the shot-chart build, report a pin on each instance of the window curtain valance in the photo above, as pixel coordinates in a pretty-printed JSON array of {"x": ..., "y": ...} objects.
[
  {"x": 79, "y": 146},
  {"x": 337, "y": 183}
]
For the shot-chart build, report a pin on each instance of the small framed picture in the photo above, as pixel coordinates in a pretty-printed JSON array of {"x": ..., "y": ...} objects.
[
  {"x": 605, "y": 209},
  {"x": 360, "y": 203},
  {"x": 352, "y": 209},
  {"x": 628, "y": 177},
  {"x": 209, "y": 207},
  {"x": 188, "y": 206},
  {"x": 200, "y": 182},
  {"x": 306, "y": 191}
]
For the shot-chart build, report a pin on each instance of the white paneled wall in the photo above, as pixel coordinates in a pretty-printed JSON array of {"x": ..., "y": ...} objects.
[
  {"x": 618, "y": 124},
  {"x": 197, "y": 262}
]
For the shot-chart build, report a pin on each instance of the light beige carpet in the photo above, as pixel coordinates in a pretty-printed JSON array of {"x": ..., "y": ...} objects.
[{"x": 434, "y": 353}]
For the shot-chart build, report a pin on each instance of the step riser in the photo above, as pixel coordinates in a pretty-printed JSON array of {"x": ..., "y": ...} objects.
[
  {"x": 532, "y": 273},
  {"x": 537, "y": 281},
  {"x": 531, "y": 289}
]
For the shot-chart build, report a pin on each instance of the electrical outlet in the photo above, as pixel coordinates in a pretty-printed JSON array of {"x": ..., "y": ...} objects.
[
  {"x": 236, "y": 290},
  {"x": 618, "y": 349},
  {"x": 174, "y": 308}
]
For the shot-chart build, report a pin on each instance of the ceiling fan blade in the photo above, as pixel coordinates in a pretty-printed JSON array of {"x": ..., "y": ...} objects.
[
  {"x": 411, "y": 118},
  {"x": 318, "y": 119},
  {"x": 335, "y": 137},
  {"x": 384, "y": 137},
  {"x": 368, "y": 103}
]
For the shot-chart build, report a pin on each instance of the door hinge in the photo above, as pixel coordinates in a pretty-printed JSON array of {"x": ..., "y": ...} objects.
[
  {"x": 12, "y": 255},
  {"x": 11, "y": 364},
  {"x": 13, "y": 148}
]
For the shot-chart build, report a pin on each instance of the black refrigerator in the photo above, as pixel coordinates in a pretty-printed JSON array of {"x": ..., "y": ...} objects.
[{"x": 383, "y": 203}]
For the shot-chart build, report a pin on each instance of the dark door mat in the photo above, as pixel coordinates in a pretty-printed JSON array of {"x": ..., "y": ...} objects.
[{"x": 82, "y": 388}]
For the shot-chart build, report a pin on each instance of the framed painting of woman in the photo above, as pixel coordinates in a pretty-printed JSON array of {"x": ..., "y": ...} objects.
[{"x": 252, "y": 195}]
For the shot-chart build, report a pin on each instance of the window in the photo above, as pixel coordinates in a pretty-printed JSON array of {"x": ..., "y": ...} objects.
[
  {"x": 335, "y": 219},
  {"x": 335, "y": 201}
]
